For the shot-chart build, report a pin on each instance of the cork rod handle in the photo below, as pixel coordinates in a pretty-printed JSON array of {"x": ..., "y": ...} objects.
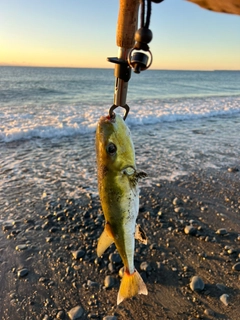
[{"x": 127, "y": 23}]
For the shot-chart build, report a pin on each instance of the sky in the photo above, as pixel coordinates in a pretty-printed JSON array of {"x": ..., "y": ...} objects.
[{"x": 82, "y": 33}]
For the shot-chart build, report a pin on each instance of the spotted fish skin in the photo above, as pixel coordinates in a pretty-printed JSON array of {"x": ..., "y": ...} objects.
[{"x": 119, "y": 195}]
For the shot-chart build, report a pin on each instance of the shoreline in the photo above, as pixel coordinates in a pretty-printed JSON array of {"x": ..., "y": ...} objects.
[{"x": 55, "y": 243}]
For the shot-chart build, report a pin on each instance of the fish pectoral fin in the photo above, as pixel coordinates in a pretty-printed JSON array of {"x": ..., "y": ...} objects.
[
  {"x": 133, "y": 175},
  {"x": 131, "y": 285},
  {"x": 141, "y": 175},
  {"x": 140, "y": 234},
  {"x": 105, "y": 240}
]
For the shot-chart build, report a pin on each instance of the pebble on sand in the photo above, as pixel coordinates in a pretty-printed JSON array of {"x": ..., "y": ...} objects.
[
  {"x": 78, "y": 254},
  {"x": 22, "y": 273},
  {"x": 233, "y": 169},
  {"x": 236, "y": 266},
  {"x": 75, "y": 313},
  {"x": 145, "y": 266},
  {"x": 92, "y": 284},
  {"x": 115, "y": 258},
  {"x": 7, "y": 227},
  {"x": 221, "y": 231},
  {"x": 21, "y": 247},
  {"x": 121, "y": 272},
  {"x": 110, "y": 318},
  {"x": 224, "y": 298},
  {"x": 190, "y": 230},
  {"x": 197, "y": 284},
  {"x": 109, "y": 282},
  {"x": 209, "y": 312},
  {"x": 60, "y": 314},
  {"x": 177, "y": 202}
]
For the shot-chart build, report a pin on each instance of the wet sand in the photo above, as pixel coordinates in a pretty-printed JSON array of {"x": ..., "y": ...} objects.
[{"x": 48, "y": 262}]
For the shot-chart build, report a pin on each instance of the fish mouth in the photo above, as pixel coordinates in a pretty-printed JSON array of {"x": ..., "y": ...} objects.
[{"x": 106, "y": 120}]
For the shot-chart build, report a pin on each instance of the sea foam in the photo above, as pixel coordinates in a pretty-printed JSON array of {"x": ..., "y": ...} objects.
[{"x": 60, "y": 121}]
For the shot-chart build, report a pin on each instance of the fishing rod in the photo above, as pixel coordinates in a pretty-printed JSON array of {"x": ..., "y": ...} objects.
[{"x": 133, "y": 49}]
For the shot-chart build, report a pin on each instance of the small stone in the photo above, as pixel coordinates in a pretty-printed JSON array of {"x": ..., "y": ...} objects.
[
  {"x": 69, "y": 270},
  {"x": 231, "y": 251},
  {"x": 236, "y": 266},
  {"x": 13, "y": 295},
  {"x": 46, "y": 225},
  {"x": 186, "y": 270},
  {"x": 7, "y": 227},
  {"x": 109, "y": 282},
  {"x": 153, "y": 246},
  {"x": 190, "y": 230},
  {"x": 121, "y": 272},
  {"x": 197, "y": 284},
  {"x": 46, "y": 317},
  {"x": 92, "y": 283},
  {"x": 233, "y": 169},
  {"x": 111, "y": 267},
  {"x": 145, "y": 266},
  {"x": 22, "y": 273},
  {"x": 42, "y": 280},
  {"x": 192, "y": 221},
  {"x": 93, "y": 316},
  {"x": 177, "y": 202},
  {"x": 75, "y": 313},
  {"x": 21, "y": 247},
  {"x": 97, "y": 261},
  {"x": 224, "y": 298},
  {"x": 115, "y": 258},
  {"x": 110, "y": 318},
  {"x": 221, "y": 231},
  {"x": 179, "y": 209},
  {"x": 60, "y": 314},
  {"x": 209, "y": 312},
  {"x": 78, "y": 254},
  {"x": 53, "y": 229}
]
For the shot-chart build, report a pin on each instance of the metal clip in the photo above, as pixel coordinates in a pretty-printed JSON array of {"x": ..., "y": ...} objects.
[
  {"x": 113, "y": 107},
  {"x": 122, "y": 74}
]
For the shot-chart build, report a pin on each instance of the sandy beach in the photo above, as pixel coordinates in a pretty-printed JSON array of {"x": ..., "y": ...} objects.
[{"x": 49, "y": 264}]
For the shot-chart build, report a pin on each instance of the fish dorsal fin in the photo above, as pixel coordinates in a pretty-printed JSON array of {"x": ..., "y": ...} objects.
[
  {"x": 140, "y": 235},
  {"x": 105, "y": 240},
  {"x": 134, "y": 175}
]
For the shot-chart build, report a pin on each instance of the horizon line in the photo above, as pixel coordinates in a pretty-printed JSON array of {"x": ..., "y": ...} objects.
[{"x": 69, "y": 67}]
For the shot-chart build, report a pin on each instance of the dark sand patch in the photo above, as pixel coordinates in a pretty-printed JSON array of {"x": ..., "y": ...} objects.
[{"x": 57, "y": 282}]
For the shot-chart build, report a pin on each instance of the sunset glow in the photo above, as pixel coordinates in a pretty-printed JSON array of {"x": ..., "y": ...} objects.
[{"x": 82, "y": 34}]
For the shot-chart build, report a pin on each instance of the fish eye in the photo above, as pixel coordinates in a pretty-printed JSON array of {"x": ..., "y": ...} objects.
[{"x": 111, "y": 149}]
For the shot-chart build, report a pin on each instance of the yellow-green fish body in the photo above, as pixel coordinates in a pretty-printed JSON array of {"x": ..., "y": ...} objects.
[{"x": 119, "y": 195}]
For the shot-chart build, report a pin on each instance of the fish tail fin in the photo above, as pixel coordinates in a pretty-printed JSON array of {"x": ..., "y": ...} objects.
[{"x": 131, "y": 285}]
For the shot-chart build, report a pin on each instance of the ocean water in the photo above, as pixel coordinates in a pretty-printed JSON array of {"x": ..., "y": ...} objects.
[{"x": 180, "y": 121}]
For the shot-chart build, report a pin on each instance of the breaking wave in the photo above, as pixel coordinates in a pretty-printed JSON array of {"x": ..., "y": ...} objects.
[{"x": 60, "y": 121}]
